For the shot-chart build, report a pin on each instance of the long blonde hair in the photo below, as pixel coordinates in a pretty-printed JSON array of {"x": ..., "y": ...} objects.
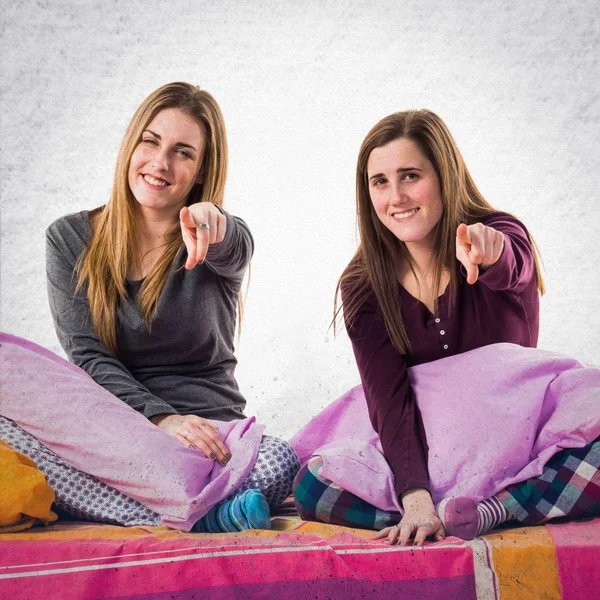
[
  {"x": 114, "y": 245},
  {"x": 374, "y": 264}
]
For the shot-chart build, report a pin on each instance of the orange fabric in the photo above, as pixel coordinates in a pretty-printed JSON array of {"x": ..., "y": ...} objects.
[
  {"x": 525, "y": 563},
  {"x": 25, "y": 496}
]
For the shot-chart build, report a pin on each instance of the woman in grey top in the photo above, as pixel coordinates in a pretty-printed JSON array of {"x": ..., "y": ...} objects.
[{"x": 144, "y": 290}]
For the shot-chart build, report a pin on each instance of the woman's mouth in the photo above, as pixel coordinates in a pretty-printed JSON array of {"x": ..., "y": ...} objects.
[
  {"x": 406, "y": 214},
  {"x": 154, "y": 182}
]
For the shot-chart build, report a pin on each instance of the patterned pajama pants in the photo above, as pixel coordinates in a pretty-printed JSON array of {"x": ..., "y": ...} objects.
[
  {"x": 569, "y": 486},
  {"x": 84, "y": 497}
]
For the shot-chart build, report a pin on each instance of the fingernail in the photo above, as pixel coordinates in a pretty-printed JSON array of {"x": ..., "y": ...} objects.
[
  {"x": 228, "y": 456},
  {"x": 212, "y": 455},
  {"x": 223, "y": 462}
]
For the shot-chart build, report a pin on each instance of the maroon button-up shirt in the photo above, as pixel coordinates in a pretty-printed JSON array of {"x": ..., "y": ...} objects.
[{"x": 502, "y": 306}]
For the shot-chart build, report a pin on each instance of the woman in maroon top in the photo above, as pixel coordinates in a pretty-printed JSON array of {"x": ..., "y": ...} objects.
[
  {"x": 421, "y": 219},
  {"x": 438, "y": 272}
]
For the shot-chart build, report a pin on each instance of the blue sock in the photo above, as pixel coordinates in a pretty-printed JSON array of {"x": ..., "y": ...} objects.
[{"x": 247, "y": 510}]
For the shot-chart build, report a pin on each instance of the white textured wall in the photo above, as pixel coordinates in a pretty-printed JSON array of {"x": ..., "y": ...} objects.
[{"x": 300, "y": 84}]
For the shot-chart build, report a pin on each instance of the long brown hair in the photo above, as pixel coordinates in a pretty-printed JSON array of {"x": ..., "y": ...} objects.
[
  {"x": 114, "y": 245},
  {"x": 374, "y": 264}
]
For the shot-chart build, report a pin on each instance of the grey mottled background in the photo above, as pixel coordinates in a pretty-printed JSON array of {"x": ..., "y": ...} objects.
[{"x": 300, "y": 84}]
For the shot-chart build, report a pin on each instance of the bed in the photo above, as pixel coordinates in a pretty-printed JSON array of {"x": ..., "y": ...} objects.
[
  {"x": 74, "y": 560},
  {"x": 296, "y": 559}
]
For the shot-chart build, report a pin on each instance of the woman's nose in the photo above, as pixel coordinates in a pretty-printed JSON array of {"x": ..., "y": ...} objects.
[
  {"x": 399, "y": 194},
  {"x": 160, "y": 161}
]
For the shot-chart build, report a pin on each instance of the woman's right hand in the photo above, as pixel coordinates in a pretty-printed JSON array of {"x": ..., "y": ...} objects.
[
  {"x": 195, "y": 432},
  {"x": 477, "y": 248},
  {"x": 202, "y": 224}
]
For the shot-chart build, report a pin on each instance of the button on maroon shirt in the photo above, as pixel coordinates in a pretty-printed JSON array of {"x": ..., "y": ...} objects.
[{"x": 502, "y": 306}]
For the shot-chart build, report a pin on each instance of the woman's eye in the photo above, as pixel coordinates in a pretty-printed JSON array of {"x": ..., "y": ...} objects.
[
  {"x": 149, "y": 141},
  {"x": 379, "y": 181},
  {"x": 184, "y": 153},
  {"x": 410, "y": 176}
]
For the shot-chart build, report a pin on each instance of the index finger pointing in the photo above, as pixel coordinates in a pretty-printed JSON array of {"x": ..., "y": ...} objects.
[
  {"x": 188, "y": 226},
  {"x": 202, "y": 241}
]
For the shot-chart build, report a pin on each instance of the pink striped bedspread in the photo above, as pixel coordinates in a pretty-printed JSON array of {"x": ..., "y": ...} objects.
[{"x": 296, "y": 560}]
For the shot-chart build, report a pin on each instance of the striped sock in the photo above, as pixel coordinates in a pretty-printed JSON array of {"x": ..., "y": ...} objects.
[
  {"x": 248, "y": 510},
  {"x": 467, "y": 519},
  {"x": 490, "y": 513}
]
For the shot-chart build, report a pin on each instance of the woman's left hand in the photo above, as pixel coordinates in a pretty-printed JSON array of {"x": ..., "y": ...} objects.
[
  {"x": 478, "y": 247},
  {"x": 419, "y": 522},
  {"x": 202, "y": 224}
]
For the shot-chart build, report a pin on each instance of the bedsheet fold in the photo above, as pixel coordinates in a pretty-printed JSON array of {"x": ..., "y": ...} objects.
[
  {"x": 493, "y": 416},
  {"x": 95, "y": 432}
]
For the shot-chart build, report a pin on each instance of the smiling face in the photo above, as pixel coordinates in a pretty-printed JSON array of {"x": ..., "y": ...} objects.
[
  {"x": 405, "y": 191},
  {"x": 166, "y": 163}
]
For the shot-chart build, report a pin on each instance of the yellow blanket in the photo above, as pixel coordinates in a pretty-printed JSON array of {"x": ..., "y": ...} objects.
[{"x": 25, "y": 497}]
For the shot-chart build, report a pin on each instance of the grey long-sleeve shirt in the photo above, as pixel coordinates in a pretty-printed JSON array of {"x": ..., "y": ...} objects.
[{"x": 186, "y": 363}]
